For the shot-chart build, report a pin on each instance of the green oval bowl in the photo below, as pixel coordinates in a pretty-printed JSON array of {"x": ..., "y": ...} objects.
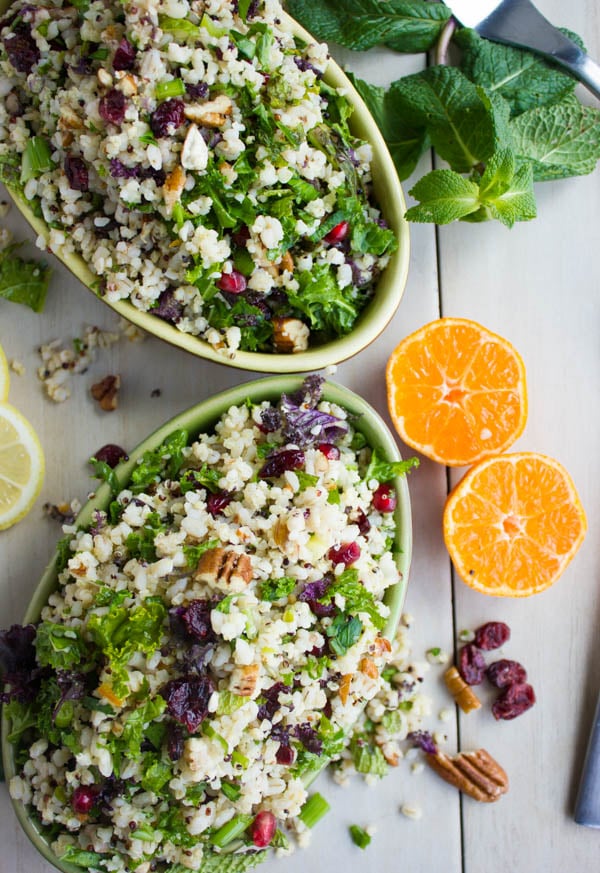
[
  {"x": 199, "y": 419},
  {"x": 377, "y": 313}
]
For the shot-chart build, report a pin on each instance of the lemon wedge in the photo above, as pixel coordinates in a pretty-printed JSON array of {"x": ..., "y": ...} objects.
[
  {"x": 21, "y": 466},
  {"x": 4, "y": 376}
]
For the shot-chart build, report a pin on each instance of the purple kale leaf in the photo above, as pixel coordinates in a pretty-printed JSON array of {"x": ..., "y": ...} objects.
[
  {"x": 18, "y": 663},
  {"x": 167, "y": 307},
  {"x": 72, "y": 686},
  {"x": 303, "y": 424},
  {"x": 423, "y": 740},
  {"x": 271, "y": 704}
]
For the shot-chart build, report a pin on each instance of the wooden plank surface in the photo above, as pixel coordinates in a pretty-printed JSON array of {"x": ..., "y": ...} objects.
[{"x": 537, "y": 285}]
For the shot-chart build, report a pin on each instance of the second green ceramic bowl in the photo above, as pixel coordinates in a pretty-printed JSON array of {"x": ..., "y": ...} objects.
[
  {"x": 199, "y": 419},
  {"x": 376, "y": 315}
]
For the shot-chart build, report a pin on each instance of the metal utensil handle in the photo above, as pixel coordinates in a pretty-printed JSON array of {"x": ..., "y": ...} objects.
[
  {"x": 587, "y": 808},
  {"x": 520, "y": 23}
]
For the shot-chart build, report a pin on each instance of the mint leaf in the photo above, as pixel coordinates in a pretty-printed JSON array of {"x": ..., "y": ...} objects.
[
  {"x": 560, "y": 140},
  {"x": 212, "y": 862},
  {"x": 383, "y": 471},
  {"x": 23, "y": 281},
  {"x": 343, "y": 632},
  {"x": 444, "y": 196},
  {"x": 402, "y": 25},
  {"x": 508, "y": 196},
  {"x": 498, "y": 175},
  {"x": 406, "y": 143},
  {"x": 275, "y": 589},
  {"x": 521, "y": 77},
  {"x": 59, "y": 646},
  {"x": 457, "y": 115},
  {"x": 358, "y": 599}
]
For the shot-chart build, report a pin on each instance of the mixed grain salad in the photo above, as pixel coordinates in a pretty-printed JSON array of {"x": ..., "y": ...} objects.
[
  {"x": 214, "y": 638},
  {"x": 194, "y": 156}
]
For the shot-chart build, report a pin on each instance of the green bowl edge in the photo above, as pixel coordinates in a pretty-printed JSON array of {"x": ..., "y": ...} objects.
[
  {"x": 198, "y": 419},
  {"x": 372, "y": 321}
]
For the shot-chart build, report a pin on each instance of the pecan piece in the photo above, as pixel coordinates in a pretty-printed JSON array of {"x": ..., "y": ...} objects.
[
  {"x": 368, "y": 667},
  {"x": 174, "y": 185},
  {"x": 290, "y": 335},
  {"x": 380, "y": 646},
  {"x": 474, "y": 773},
  {"x": 210, "y": 114},
  {"x": 106, "y": 392},
  {"x": 462, "y": 693},
  {"x": 224, "y": 569},
  {"x": 244, "y": 680},
  {"x": 287, "y": 262}
]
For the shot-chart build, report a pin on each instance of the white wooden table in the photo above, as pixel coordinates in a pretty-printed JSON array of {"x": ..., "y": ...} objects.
[{"x": 538, "y": 285}]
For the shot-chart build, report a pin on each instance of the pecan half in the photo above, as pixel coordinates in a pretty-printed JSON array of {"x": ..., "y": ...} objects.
[
  {"x": 244, "y": 680},
  {"x": 106, "y": 392},
  {"x": 462, "y": 693},
  {"x": 290, "y": 335},
  {"x": 224, "y": 569},
  {"x": 474, "y": 773}
]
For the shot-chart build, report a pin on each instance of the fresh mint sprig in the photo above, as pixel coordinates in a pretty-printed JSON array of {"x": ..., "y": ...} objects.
[{"x": 502, "y": 119}]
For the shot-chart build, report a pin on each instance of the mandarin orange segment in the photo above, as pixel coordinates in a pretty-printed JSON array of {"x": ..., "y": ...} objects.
[
  {"x": 456, "y": 391},
  {"x": 513, "y": 523}
]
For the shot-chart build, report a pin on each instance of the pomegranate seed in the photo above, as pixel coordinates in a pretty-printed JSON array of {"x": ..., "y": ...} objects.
[
  {"x": 233, "y": 283},
  {"x": 331, "y": 452},
  {"x": 338, "y": 233},
  {"x": 83, "y": 799},
  {"x": 262, "y": 829},
  {"x": 216, "y": 503},
  {"x": 359, "y": 518},
  {"x": 346, "y": 554},
  {"x": 384, "y": 499},
  {"x": 285, "y": 755}
]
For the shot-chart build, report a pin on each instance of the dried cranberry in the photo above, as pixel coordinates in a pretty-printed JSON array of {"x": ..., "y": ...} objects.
[
  {"x": 167, "y": 307},
  {"x": 262, "y": 829},
  {"x": 338, "y": 233},
  {"x": 111, "y": 454},
  {"x": 346, "y": 553},
  {"x": 77, "y": 173},
  {"x": 271, "y": 705},
  {"x": 322, "y": 610},
  {"x": 384, "y": 498},
  {"x": 241, "y": 236},
  {"x": 285, "y": 755},
  {"x": 331, "y": 452},
  {"x": 197, "y": 92},
  {"x": 21, "y": 49},
  {"x": 84, "y": 798},
  {"x": 492, "y": 635},
  {"x": 233, "y": 283},
  {"x": 216, "y": 503},
  {"x": 514, "y": 700},
  {"x": 174, "y": 742},
  {"x": 196, "y": 618},
  {"x": 288, "y": 459},
  {"x": 187, "y": 700},
  {"x": 112, "y": 106},
  {"x": 359, "y": 518},
  {"x": 471, "y": 664},
  {"x": 309, "y": 738},
  {"x": 167, "y": 117},
  {"x": 124, "y": 58},
  {"x": 503, "y": 673}
]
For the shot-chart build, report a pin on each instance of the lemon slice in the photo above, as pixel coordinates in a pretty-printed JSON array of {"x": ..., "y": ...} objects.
[
  {"x": 4, "y": 376},
  {"x": 21, "y": 466}
]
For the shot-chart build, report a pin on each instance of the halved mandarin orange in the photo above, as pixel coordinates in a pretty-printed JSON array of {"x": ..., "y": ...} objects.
[
  {"x": 513, "y": 523},
  {"x": 456, "y": 391}
]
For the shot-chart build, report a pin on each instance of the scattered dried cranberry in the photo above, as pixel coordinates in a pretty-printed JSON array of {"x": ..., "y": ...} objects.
[
  {"x": 384, "y": 498},
  {"x": 262, "y": 829},
  {"x": 77, "y": 173},
  {"x": 111, "y": 454},
  {"x": 175, "y": 741},
  {"x": 187, "y": 700},
  {"x": 338, "y": 233},
  {"x": 196, "y": 617},
  {"x": 285, "y": 755},
  {"x": 471, "y": 664},
  {"x": 359, "y": 518},
  {"x": 124, "y": 58},
  {"x": 112, "y": 106},
  {"x": 309, "y": 738},
  {"x": 83, "y": 799},
  {"x": 167, "y": 307},
  {"x": 197, "y": 92},
  {"x": 271, "y": 704},
  {"x": 241, "y": 236},
  {"x": 503, "y": 673},
  {"x": 233, "y": 283},
  {"x": 21, "y": 48},
  {"x": 492, "y": 635},
  {"x": 346, "y": 553},
  {"x": 216, "y": 503},
  {"x": 514, "y": 700},
  {"x": 288, "y": 459},
  {"x": 331, "y": 452},
  {"x": 167, "y": 117}
]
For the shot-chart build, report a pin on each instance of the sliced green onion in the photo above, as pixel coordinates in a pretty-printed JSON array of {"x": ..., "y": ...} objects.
[
  {"x": 239, "y": 760},
  {"x": 209, "y": 731},
  {"x": 359, "y": 836},
  {"x": 231, "y": 791},
  {"x": 230, "y": 831},
  {"x": 173, "y": 88},
  {"x": 313, "y": 810},
  {"x": 179, "y": 27},
  {"x": 100, "y": 54},
  {"x": 36, "y": 159}
]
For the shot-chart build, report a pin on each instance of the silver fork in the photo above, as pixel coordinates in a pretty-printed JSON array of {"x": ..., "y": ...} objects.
[{"x": 520, "y": 23}]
